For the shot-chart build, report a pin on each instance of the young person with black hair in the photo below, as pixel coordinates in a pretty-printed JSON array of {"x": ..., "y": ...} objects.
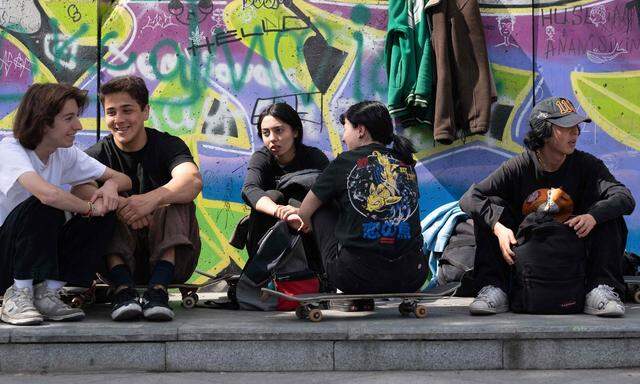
[
  {"x": 283, "y": 154},
  {"x": 550, "y": 161},
  {"x": 37, "y": 242},
  {"x": 157, "y": 237},
  {"x": 363, "y": 209}
]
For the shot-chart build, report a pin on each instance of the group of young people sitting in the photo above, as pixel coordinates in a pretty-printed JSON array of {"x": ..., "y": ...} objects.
[{"x": 129, "y": 214}]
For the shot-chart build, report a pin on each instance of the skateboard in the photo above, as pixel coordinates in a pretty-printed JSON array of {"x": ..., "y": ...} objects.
[
  {"x": 310, "y": 305},
  {"x": 633, "y": 287},
  {"x": 100, "y": 289}
]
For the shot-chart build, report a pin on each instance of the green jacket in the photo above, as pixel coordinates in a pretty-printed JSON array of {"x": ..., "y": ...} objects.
[{"x": 409, "y": 61}]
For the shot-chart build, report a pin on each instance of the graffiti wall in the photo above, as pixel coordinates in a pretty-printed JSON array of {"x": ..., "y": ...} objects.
[{"x": 212, "y": 65}]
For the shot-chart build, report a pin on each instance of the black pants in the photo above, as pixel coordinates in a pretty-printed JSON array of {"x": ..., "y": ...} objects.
[
  {"x": 353, "y": 271},
  {"x": 605, "y": 249},
  {"x": 36, "y": 243},
  {"x": 259, "y": 224}
]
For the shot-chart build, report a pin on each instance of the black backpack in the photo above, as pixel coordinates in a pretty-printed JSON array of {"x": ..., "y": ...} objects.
[{"x": 549, "y": 267}]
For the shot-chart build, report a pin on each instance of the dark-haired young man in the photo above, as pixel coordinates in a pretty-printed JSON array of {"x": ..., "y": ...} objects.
[
  {"x": 550, "y": 161},
  {"x": 157, "y": 239},
  {"x": 38, "y": 244}
]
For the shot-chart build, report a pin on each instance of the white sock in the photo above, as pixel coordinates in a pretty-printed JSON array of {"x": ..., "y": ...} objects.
[
  {"x": 28, "y": 283},
  {"x": 54, "y": 285}
]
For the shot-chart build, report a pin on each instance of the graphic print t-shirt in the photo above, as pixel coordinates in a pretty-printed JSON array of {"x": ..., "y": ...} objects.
[{"x": 378, "y": 199}]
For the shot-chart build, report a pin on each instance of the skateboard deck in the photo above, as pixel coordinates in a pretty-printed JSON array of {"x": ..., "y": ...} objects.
[
  {"x": 80, "y": 296},
  {"x": 311, "y": 304}
]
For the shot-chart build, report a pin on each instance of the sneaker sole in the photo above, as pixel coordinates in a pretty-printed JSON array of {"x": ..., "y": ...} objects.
[
  {"x": 69, "y": 317},
  {"x": 27, "y": 321},
  {"x": 488, "y": 311},
  {"x": 597, "y": 312},
  {"x": 158, "y": 314},
  {"x": 126, "y": 312}
]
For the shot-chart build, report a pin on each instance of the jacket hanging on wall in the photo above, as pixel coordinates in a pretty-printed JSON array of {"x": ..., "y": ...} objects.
[
  {"x": 464, "y": 87},
  {"x": 409, "y": 62}
]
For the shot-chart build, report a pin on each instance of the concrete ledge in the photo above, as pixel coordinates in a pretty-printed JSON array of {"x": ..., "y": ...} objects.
[
  {"x": 203, "y": 339},
  {"x": 417, "y": 355},
  {"x": 571, "y": 353},
  {"x": 82, "y": 357},
  {"x": 250, "y": 356}
]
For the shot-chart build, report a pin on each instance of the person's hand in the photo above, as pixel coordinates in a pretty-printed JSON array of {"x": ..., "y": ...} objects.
[
  {"x": 283, "y": 211},
  {"x": 109, "y": 195},
  {"x": 99, "y": 208},
  {"x": 295, "y": 222},
  {"x": 142, "y": 223},
  {"x": 136, "y": 207},
  {"x": 582, "y": 224},
  {"x": 506, "y": 239}
]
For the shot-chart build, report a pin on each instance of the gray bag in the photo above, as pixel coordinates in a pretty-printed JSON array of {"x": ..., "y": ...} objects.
[{"x": 280, "y": 255}]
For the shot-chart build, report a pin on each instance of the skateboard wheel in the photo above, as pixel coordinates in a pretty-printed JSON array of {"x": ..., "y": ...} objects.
[
  {"x": 420, "y": 311},
  {"x": 300, "y": 312},
  {"x": 405, "y": 309},
  {"x": 195, "y": 297},
  {"x": 189, "y": 302},
  {"x": 636, "y": 296},
  {"x": 77, "y": 302},
  {"x": 315, "y": 315}
]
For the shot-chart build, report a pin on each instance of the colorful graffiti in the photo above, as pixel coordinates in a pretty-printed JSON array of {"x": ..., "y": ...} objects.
[{"x": 212, "y": 65}]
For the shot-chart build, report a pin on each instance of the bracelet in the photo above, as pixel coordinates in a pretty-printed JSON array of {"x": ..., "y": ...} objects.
[{"x": 90, "y": 211}]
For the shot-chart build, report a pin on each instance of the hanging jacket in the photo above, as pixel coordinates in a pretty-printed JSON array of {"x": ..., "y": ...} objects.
[
  {"x": 409, "y": 62},
  {"x": 464, "y": 88}
]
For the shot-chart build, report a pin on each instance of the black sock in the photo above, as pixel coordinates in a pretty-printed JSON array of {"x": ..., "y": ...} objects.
[
  {"x": 162, "y": 274},
  {"x": 120, "y": 275}
]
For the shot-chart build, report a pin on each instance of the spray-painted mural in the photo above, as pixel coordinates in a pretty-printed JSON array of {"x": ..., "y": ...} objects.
[{"x": 211, "y": 66}]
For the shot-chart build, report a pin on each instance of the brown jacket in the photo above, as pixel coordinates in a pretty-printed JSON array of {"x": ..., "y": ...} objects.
[{"x": 464, "y": 87}]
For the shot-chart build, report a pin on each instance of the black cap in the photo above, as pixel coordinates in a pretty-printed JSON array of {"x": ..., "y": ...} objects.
[{"x": 558, "y": 111}]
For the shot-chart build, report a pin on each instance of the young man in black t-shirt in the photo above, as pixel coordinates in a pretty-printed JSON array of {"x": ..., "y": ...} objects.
[
  {"x": 497, "y": 203},
  {"x": 157, "y": 240}
]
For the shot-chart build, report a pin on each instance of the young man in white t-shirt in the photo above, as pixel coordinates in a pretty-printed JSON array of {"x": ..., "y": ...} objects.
[{"x": 36, "y": 241}]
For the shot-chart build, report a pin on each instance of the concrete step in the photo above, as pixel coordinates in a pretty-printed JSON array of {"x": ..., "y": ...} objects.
[{"x": 203, "y": 339}]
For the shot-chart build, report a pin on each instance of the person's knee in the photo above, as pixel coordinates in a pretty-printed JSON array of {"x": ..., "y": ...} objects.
[{"x": 36, "y": 211}]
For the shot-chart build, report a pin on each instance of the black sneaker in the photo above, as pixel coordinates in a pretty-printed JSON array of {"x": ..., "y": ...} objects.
[
  {"x": 155, "y": 305},
  {"x": 126, "y": 305}
]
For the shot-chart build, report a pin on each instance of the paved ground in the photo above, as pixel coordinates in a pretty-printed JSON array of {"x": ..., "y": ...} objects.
[{"x": 622, "y": 376}]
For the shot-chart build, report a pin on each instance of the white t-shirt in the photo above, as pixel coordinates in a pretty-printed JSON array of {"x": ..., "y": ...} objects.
[{"x": 66, "y": 166}]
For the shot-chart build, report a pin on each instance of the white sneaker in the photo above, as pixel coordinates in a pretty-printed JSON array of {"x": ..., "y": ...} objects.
[
  {"x": 490, "y": 300},
  {"x": 603, "y": 301},
  {"x": 18, "y": 308},
  {"x": 49, "y": 304}
]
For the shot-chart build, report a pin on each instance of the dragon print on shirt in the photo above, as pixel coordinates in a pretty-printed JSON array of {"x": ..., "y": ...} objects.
[{"x": 385, "y": 191}]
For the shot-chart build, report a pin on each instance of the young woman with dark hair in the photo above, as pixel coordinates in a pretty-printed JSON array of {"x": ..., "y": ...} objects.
[
  {"x": 37, "y": 243},
  {"x": 283, "y": 154},
  {"x": 363, "y": 209}
]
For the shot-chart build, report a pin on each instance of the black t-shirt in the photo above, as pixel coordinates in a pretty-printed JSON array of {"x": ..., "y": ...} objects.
[
  {"x": 148, "y": 168},
  {"x": 582, "y": 176},
  {"x": 264, "y": 171},
  {"x": 378, "y": 199}
]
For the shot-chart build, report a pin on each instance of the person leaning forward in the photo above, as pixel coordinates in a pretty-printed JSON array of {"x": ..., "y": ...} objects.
[
  {"x": 157, "y": 239},
  {"x": 550, "y": 161}
]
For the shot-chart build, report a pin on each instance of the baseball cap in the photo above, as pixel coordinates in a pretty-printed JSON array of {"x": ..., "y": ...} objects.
[{"x": 558, "y": 111}]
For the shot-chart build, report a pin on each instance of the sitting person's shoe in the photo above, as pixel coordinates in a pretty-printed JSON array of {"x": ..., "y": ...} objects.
[
  {"x": 48, "y": 303},
  {"x": 155, "y": 305},
  {"x": 603, "y": 301},
  {"x": 490, "y": 300},
  {"x": 18, "y": 308},
  {"x": 126, "y": 305}
]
